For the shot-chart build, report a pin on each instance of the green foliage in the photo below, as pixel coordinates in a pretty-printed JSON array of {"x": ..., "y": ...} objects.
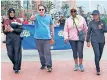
[
  {"x": 65, "y": 8},
  {"x": 49, "y": 5}
]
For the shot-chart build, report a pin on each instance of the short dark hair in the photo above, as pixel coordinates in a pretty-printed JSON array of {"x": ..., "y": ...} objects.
[{"x": 42, "y": 6}]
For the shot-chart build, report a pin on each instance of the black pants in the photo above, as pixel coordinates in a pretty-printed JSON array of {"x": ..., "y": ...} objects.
[
  {"x": 98, "y": 50},
  {"x": 14, "y": 51},
  {"x": 77, "y": 47}
]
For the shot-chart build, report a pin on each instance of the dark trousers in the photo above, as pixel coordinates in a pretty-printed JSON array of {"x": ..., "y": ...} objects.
[
  {"x": 77, "y": 48},
  {"x": 43, "y": 47},
  {"x": 98, "y": 50},
  {"x": 14, "y": 51}
]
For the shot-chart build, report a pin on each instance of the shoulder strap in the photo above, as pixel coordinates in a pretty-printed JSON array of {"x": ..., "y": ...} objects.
[{"x": 75, "y": 25}]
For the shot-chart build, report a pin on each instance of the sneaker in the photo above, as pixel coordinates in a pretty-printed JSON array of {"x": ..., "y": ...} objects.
[
  {"x": 76, "y": 67},
  {"x": 42, "y": 67},
  {"x": 49, "y": 69},
  {"x": 81, "y": 67},
  {"x": 4, "y": 41}
]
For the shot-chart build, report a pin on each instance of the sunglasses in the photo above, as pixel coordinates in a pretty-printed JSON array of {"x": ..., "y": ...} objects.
[
  {"x": 73, "y": 11},
  {"x": 41, "y": 9}
]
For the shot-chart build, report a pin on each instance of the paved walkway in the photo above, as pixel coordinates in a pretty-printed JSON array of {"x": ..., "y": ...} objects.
[
  {"x": 62, "y": 70},
  {"x": 63, "y": 65}
]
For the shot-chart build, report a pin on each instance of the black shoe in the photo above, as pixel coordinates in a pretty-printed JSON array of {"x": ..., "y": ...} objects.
[
  {"x": 49, "y": 69},
  {"x": 16, "y": 71},
  {"x": 4, "y": 41},
  {"x": 42, "y": 67},
  {"x": 98, "y": 73}
]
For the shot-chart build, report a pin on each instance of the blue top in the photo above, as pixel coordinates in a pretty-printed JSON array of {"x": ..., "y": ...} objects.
[
  {"x": 42, "y": 27},
  {"x": 95, "y": 34}
]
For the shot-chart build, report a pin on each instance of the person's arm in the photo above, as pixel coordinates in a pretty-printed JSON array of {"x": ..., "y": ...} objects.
[
  {"x": 52, "y": 31},
  {"x": 66, "y": 31},
  {"x": 104, "y": 26},
  {"x": 33, "y": 17},
  {"x": 89, "y": 35},
  {"x": 17, "y": 30},
  {"x": 6, "y": 26},
  {"x": 52, "y": 28}
]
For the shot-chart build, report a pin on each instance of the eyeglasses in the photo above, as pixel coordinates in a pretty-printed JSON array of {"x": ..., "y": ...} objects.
[
  {"x": 41, "y": 9},
  {"x": 73, "y": 11}
]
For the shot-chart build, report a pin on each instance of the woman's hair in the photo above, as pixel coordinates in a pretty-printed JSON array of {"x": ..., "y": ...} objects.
[{"x": 42, "y": 6}]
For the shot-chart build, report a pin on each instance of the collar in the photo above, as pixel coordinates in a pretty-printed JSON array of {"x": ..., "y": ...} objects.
[
  {"x": 97, "y": 21},
  {"x": 77, "y": 17},
  {"x": 43, "y": 16}
]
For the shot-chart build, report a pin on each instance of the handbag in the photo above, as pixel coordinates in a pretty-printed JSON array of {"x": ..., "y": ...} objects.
[{"x": 81, "y": 34}]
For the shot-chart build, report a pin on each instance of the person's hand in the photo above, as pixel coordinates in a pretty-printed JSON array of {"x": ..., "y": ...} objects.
[
  {"x": 7, "y": 29},
  {"x": 11, "y": 30},
  {"x": 99, "y": 26},
  {"x": 66, "y": 41},
  {"x": 52, "y": 41},
  {"x": 32, "y": 17},
  {"x": 88, "y": 44}
]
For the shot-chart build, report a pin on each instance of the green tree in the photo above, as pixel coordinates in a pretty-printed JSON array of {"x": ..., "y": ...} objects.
[
  {"x": 5, "y": 5},
  {"x": 49, "y": 6},
  {"x": 65, "y": 8}
]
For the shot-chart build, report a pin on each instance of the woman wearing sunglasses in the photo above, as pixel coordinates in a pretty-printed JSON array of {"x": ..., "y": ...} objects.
[{"x": 73, "y": 25}]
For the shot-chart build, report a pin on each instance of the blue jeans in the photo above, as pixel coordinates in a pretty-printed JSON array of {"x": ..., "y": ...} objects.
[
  {"x": 98, "y": 50},
  {"x": 77, "y": 47}
]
